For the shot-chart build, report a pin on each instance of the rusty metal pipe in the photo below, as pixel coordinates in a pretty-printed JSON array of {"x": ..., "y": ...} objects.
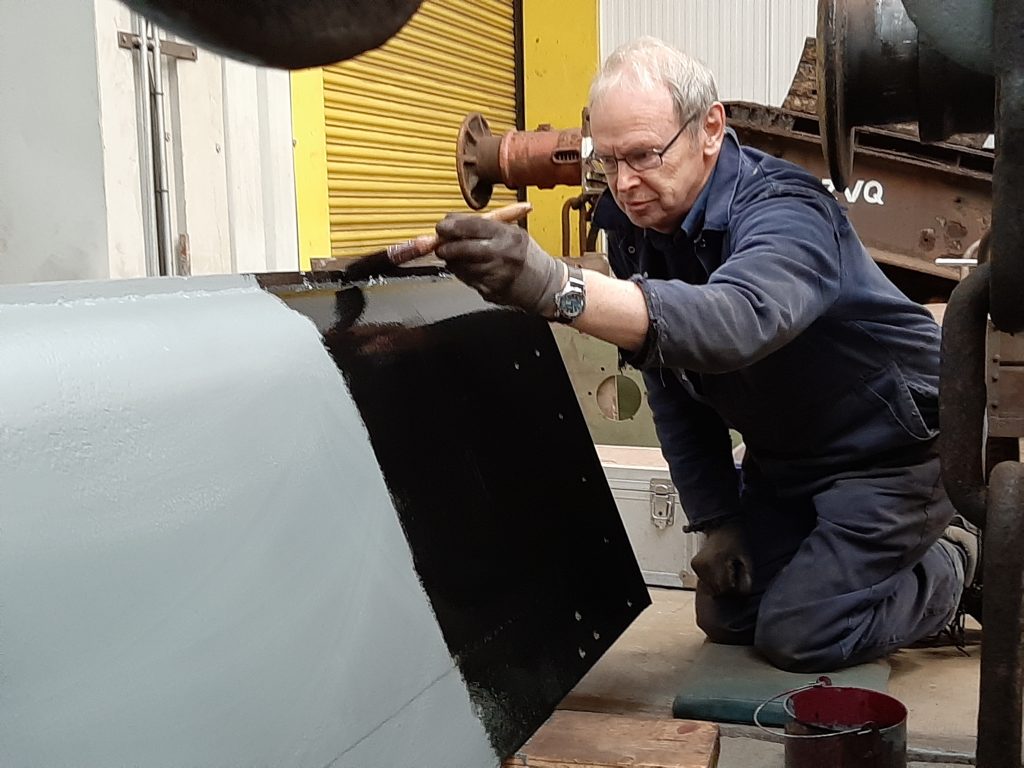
[
  {"x": 592, "y": 235},
  {"x": 1007, "y": 308},
  {"x": 1000, "y": 449},
  {"x": 578, "y": 203},
  {"x": 543, "y": 158},
  {"x": 489, "y": 159},
  {"x": 962, "y": 396},
  {"x": 584, "y": 224},
  {"x": 999, "y": 710},
  {"x": 566, "y": 207}
]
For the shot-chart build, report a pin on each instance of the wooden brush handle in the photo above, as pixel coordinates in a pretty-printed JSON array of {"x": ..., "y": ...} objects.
[{"x": 424, "y": 244}]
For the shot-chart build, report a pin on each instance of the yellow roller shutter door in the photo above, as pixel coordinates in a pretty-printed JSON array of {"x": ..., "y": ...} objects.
[{"x": 393, "y": 116}]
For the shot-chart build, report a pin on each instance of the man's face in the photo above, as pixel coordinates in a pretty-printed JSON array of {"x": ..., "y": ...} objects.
[{"x": 626, "y": 122}]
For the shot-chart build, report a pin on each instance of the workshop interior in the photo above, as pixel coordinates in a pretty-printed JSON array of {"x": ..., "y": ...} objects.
[{"x": 263, "y": 506}]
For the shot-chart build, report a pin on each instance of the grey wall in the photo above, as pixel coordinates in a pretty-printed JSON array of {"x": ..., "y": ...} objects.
[{"x": 52, "y": 202}]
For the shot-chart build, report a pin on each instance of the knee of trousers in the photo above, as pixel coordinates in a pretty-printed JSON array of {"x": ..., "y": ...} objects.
[
  {"x": 722, "y": 625},
  {"x": 794, "y": 648}
]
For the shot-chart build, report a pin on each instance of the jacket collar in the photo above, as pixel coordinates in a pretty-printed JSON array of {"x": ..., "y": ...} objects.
[{"x": 711, "y": 211}]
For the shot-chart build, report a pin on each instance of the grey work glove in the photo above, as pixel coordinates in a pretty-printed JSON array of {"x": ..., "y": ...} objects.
[
  {"x": 723, "y": 564},
  {"x": 502, "y": 262}
]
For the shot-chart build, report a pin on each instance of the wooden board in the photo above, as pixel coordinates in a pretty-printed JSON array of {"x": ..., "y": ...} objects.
[{"x": 592, "y": 740}]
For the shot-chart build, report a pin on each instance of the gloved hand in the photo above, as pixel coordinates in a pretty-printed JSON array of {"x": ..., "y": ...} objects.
[
  {"x": 723, "y": 564},
  {"x": 502, "y": 262}
]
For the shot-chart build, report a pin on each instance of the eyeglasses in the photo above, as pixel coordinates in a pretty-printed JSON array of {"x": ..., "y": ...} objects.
[{"x": 640, "y": 160}]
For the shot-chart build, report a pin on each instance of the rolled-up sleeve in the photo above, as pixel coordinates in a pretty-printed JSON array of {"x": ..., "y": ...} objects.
[
  {"x": 698, "y": 449},
  {"x": 784, "y": 273}
]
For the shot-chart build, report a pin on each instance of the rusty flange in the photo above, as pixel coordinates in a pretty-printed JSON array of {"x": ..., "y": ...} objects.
[{"x": 476, "y": 160}]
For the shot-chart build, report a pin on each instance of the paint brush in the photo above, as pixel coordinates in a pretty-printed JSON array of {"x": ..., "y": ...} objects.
[{"x": 383, "y": 262}]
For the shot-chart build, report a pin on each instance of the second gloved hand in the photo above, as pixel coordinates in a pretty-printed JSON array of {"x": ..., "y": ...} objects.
[
  {"x": 502, "y": 262},
  {"x": 723, "y": 564}
]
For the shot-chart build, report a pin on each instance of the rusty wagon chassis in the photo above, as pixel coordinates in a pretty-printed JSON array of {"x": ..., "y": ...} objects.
[{"x": 917, "y": 207}]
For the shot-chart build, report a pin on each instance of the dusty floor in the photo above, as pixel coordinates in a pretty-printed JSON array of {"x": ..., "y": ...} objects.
[{"x": 640, "y": 674}]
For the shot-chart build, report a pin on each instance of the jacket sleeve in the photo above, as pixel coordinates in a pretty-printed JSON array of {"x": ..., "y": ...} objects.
[
  {"x": 698, "y": 449},
  {"x": 694, "y": 440},
  {"x": 784, "y": 273}
]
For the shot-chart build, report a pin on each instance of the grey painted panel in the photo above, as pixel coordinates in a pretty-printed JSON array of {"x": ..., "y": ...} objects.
[
  {"x": 15, "y": 298},
  {"x": 179, "y": 584}
]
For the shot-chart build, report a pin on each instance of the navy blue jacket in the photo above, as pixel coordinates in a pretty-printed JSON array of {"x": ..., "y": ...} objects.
[{"x": 769, "y": 316}]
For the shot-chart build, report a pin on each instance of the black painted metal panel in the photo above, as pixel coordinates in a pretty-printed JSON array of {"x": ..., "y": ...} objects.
[{"x": 513, "y": 529}]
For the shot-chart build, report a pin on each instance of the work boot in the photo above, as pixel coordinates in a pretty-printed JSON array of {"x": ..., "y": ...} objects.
[
  {"x": 963, "y": 541},
  {"x": 966, "y": 540}
]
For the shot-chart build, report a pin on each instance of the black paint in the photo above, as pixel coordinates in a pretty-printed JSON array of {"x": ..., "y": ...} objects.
[{"x": 514, "y": 532}]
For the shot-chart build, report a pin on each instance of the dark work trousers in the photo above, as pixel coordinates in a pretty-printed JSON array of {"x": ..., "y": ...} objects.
[{"x": 845, "y": 576}]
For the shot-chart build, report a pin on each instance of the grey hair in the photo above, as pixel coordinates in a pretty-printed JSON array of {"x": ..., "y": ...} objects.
[{"x": 648, "y": 63}]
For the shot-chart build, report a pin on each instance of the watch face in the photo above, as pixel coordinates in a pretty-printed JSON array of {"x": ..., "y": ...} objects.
[{"x": 571, "y": 304}]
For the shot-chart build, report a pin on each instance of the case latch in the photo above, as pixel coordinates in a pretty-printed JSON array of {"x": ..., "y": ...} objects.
[{"x": 663, "y": 503}]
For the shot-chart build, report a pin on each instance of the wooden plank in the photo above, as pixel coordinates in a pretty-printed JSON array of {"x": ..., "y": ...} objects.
[{"x": 592, "y": 740}]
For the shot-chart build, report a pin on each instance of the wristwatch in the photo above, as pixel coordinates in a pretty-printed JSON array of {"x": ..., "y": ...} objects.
[{"x": 572, "y": 299}]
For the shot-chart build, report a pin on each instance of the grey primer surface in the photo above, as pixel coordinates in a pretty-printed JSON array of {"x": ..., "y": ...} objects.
[{"x": 205, "y": 560}]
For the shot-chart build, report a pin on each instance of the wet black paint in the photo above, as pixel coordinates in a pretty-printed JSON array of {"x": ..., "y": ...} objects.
[{"x": 514, "y": 532}]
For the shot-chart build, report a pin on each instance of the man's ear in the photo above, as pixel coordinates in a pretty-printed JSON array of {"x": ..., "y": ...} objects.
[{"x": 714, "y": 130}]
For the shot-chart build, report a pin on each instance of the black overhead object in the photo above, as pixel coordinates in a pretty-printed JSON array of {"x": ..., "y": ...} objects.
[{"x": 288, "y": 34}]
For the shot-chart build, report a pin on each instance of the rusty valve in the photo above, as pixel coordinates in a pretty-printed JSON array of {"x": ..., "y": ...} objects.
[{"x": 543, "y": 158}]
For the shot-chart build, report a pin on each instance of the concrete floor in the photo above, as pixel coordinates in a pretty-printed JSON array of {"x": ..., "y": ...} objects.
[{"x": 641, "y": 673}]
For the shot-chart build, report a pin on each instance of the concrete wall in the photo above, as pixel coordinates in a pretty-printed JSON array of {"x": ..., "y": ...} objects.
[
  {"x": 116, "y": 75},
  {"x": 52, "y": 202},
  {"x": 74, "y": 165}
]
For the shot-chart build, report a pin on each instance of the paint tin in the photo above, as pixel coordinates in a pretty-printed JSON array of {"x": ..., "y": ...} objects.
[{"x": 845, "y": 727}]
